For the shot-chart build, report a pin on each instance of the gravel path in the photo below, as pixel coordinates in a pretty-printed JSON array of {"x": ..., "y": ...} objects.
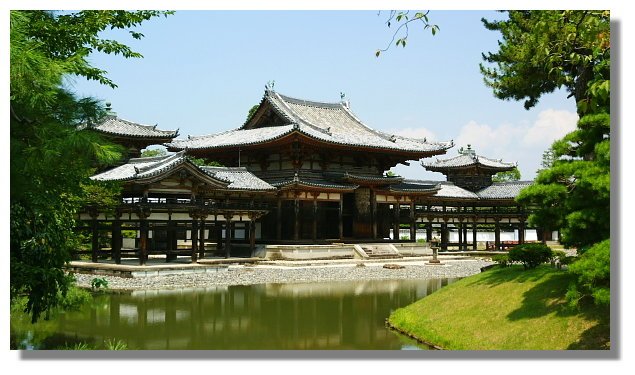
[{"x": 261, "y": 274}]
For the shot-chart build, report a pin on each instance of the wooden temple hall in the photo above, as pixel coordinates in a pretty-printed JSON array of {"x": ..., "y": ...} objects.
[{"x": 296, "y": 172}]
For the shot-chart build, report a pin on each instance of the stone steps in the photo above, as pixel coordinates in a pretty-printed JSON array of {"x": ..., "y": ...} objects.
[{"x": 381, "y": 251}]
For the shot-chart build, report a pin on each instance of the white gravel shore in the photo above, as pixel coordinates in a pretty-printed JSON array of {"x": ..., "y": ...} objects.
[{"x": 262, "y": 274}]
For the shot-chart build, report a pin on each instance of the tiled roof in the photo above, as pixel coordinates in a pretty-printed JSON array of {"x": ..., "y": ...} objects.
[
  {"x": 140, "y": 168},
  {"x": 239, "y": 178},
  {"x": 232, "y": 138},
  {"x": 309, "y": 180},
  {"x": 120, "y": 127},
  {"x": 503, "y": 190},
  {"x": 466, "y": 160},
  {"x": 143, "y": 168},
  {"x": 359, "y": 178},
  {"x": 327, "y": 122},
  {"x": 446, "y": 189},
  {"x": 415, "y": 186}
]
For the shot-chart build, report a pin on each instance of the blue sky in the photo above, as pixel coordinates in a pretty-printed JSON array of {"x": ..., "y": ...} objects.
[{"x": 203, "y": 70}]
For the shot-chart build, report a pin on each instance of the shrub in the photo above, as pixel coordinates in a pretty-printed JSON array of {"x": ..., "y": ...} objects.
[
  {"x": 74, "y": 298},
  {"x": 98, "y": 283},
  {"x": 531, "y": 254},
  {"x": 501, "y": 259},
  {"x": 593, "y": 271},
  {"x": 560, "y": 258}
]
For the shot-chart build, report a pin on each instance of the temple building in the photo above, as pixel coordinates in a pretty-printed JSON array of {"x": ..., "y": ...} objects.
[
  {"x": 296, "y": 172},
  {"x": 134, "y": 137}
]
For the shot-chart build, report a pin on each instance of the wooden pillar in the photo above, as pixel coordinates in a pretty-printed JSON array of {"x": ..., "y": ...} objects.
[
  {"x": 396, "y": 220},
  {"x": 497, "y": 235},
  {"x": 116, "y": 239},
  {"x": 413, "y": 223},
  {"x": 429, "y": 231},
  {"x": 521, "y": 231},
  {"x": 201, "y": 239},
  {"x": 279, "y": 220},
  {"x": 143, "y": 240},
  {"x": 341, "y": 216},
  {"x": 171, "y": 229},
  {"x": 218, "y": 234},
  {"x": 474, "y": 231},
  {"x": 95, "y": 240},
  {"x": 459, "y": 227},
  {"x": 444, "y": 235},
  {"x": 296, "y": 211},
  {"x": 315, "y": 217},
  {"x": 228, "y": 234},
  {"x": 373, "y": 212},
  {"x": 252, "y": 234},
  {"x": 194, "y": 236},
  {"x": 464, "y": 235}
]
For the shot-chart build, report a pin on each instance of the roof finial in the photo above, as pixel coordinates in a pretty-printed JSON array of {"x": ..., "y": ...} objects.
[
  {"x": 269, "y": 85},
  {"x": 345, "y": 103},
  {"x": 109, "y": 111}
]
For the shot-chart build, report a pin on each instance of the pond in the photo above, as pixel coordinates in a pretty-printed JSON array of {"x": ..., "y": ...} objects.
[{"x": 324, "y": 316}]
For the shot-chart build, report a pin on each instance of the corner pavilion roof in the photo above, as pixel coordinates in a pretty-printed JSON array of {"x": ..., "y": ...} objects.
[
  {"x": 503, "y": 190},
  {"x": 145, "y": 168},
  {"x": 447, "y": 189},
  {"x": 331, "y": 123},
  {"x": 467, "y": 159},
  {"x": 113, "y": 125}
]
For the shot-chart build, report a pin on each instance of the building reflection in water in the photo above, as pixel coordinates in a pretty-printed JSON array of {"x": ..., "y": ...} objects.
[{"x": 325, "y": 315}]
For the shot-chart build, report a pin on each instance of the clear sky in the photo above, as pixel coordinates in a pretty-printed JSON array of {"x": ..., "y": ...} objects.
[{"x": 203, "y": 70}]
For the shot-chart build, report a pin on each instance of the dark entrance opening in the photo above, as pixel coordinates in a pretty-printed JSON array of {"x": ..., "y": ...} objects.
[{"x": 347, "y": 214}]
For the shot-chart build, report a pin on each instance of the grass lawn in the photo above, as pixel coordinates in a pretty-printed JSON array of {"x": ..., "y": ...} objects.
[{"x": 506, "y": 309}]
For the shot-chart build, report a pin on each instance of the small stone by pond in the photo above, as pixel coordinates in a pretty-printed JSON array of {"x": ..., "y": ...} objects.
[{"x": 393, "y": 266}]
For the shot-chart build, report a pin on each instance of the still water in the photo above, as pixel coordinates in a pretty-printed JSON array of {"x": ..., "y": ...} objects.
[{"x": 326, "y": 316}]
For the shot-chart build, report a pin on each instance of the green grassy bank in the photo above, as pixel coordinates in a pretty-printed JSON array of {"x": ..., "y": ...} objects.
[{"x": 505, "y": 309}]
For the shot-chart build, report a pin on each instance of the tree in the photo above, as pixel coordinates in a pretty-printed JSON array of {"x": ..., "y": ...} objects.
[
  {"x": 404, "y": 19},
  {"x": 252, "y": 111},
  {"x": 202, "y": 162},
  {"x": 51, "y": 158},
  {"x": 542, "y": 51},
  {"x": 153, "y": 152},
  {"x": 507, "y": 176},
  {"x": 545, "y": 50},
  {"x": 548, "y": 159}
]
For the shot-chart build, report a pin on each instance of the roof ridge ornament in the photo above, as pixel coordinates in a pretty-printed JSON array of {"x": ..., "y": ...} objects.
[
  {"x": 345, "y": 103},
  {"x": 269, "y": 86}
]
